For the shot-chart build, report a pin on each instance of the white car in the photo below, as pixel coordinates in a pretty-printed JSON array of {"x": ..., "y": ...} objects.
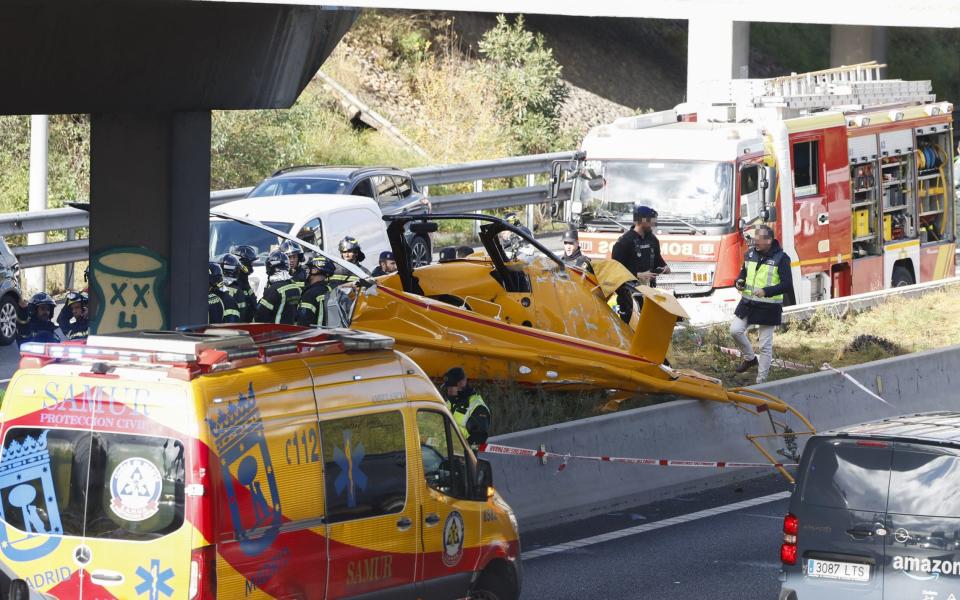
[{"x": 320, "y": 219}]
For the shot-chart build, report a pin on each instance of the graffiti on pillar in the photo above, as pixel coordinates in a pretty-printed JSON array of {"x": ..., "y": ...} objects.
[{"x": 128, "y": 283}]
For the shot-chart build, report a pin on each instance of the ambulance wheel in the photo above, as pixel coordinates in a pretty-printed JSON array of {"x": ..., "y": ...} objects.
[
  {"x": 8, "y": 320},
  {"x": 496, "y": 583},
  {"x": 901, "y": 277},
  {"x": 19, "y": 590}
]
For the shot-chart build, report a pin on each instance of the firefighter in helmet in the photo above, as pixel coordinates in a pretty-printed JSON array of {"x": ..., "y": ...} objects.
[
  {"x": 281, "y": 298},
  {"x": 351, "y": 252},
  {"x": 221, "y": 307},
  {"x": 247, "y": 255},
  {"x": 35, "y": 320},
  {"x": 294, "y": 254},
  {"x": 313, "y": 302},
  {"x": 231, "y": 268},
  {"x": 73, "y": 318}
]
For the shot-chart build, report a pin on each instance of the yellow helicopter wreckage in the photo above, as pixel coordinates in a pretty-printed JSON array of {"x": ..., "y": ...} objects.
[{"x": 524, "y": 316}]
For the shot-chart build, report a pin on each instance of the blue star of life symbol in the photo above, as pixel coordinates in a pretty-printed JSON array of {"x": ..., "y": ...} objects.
[
  {"x": 154, "y": 581},
  {"x": 351, "y": 477}
]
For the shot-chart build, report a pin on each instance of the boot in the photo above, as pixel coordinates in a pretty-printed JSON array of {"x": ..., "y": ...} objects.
[{"x": 747, "y": 365}]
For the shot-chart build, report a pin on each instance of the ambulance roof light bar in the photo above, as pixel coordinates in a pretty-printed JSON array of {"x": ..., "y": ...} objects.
[{"x": 213, "y": 347}]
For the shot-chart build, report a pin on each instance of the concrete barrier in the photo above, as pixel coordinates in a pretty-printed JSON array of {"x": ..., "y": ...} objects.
[{"x": 690, "y": 429}]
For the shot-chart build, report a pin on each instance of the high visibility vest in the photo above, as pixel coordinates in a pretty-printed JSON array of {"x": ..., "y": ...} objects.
[
  {"x": 462, "y": 414},
  {"x": 762, "y": 273}
]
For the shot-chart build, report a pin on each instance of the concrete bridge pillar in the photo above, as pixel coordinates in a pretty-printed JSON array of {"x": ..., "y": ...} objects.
[
  {"x": 150, "y": 191},
  {"x": 717, "y": 49},
  {"x": 851, "y": 44}
]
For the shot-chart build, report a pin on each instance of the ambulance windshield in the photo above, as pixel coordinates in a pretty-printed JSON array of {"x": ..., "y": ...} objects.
[{"x": 698, "y": 192}]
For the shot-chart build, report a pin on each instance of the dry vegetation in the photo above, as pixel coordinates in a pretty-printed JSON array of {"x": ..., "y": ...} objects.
[{"x": 896, "y": 327}]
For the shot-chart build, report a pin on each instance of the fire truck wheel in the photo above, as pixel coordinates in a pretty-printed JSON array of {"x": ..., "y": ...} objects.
[{"x": 901, "y": 277}]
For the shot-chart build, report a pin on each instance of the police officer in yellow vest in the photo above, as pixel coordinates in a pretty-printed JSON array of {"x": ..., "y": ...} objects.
[
  {"x": 764, "y": 282},
  {"x": 468, "y": 408}
]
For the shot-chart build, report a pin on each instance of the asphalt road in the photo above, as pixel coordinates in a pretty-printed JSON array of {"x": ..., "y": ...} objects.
[
  {"x": 9, "y": 359},
  {"x": 732, "y": 555}
]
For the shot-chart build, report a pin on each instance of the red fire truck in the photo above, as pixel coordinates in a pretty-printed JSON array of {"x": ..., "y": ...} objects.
[{"x": 852, "y": 171}]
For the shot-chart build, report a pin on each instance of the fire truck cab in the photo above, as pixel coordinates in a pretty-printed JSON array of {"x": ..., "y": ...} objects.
[{"x": 852, "y": 171}]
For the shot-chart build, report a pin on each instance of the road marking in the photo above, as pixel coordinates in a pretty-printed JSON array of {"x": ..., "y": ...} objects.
[{"x": 622, "y": 533}]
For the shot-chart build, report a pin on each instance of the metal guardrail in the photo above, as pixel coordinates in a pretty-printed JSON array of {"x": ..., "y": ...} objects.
[
  {"x": 42, "y": 221},
  {"x": 70, "y": 219}
]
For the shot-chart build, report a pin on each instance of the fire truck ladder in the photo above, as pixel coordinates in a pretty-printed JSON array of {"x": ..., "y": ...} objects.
[{"x": 852, "y": 87}]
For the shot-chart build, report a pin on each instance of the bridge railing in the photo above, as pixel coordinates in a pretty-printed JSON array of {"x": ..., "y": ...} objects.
[{"x": 478, "y": 172}]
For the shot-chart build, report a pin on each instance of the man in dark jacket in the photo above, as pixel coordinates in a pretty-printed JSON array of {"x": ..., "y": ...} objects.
[
  {"x": 572, "y": 255},
  {"x": 388, "y": 264},
  {"x": 764, "y": 281},
  {"x": 639, "y": 251}
]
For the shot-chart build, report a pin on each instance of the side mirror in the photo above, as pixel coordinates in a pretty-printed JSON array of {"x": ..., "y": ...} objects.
[
  {"x": 556, "y": 176},
  {"x": 484, "y": 477},
  {"x": 423, "y": 227},
  {"x": 769, "y": 191},
  {"x": 764, "y": 214}
]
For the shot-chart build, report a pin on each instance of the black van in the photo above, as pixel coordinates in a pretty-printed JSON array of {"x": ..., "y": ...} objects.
[{"x": 876, "y": 513}]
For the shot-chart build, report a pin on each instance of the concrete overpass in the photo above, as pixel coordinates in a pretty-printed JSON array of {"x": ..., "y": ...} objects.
[
  {"x": 149, "y": 72},
  {"x": 719, "y": 30}
]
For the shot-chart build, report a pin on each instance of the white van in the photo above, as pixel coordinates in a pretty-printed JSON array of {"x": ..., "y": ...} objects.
[{"x": 320, "y": 219}]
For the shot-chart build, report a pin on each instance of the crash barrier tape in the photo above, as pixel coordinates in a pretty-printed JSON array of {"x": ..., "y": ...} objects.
[
  {"x": 653, "y": 462},
  {"x": 824, "y": 367},
  {"x": 829, "y": 367}
]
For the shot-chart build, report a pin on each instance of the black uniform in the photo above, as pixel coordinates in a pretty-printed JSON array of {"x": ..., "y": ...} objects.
[
  {"x": 578, "y": 260},
  {"x": 221, "y": 307},
  {"x": 639, "y": 254},
  {"x": 342, "y": 276},
  {"x": 280, "y": 301},
  {"x": 300, "y": 275},
  {"x": 313, "y": 305},
  {"x": 73, "y": 328},
  {"x": 246, "y": 300},
  {"x": 32, "y": 329}
]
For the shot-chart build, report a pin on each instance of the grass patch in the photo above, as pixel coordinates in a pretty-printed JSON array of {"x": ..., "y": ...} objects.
[
  {"x": 898, "y": 326},
  {"x": 895, "y": 327}
]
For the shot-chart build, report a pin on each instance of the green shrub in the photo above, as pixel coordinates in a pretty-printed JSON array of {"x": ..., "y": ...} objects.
[{"x": 526, "y": 80}]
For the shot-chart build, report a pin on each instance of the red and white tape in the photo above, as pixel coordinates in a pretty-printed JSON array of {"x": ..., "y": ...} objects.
[{"x": 652, "y": 462}]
